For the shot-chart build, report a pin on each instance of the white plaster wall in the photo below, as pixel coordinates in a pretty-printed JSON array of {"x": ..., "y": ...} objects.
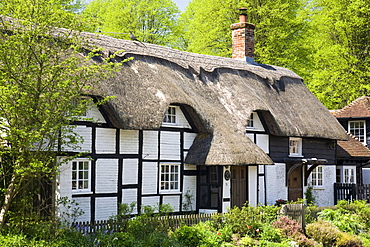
[
  {"x": 150, "y": 144},
  {"x": 105, "y": 207},
  {"x": 150, "y": 200},
  {"x": 150, "y": 178},
  {"x": 84, "y": 204},
  {"x": 106, "y": 176},
  {"x": 170, "y": 145},
  {"x": 275, "y": 185},
  {"x": 324, "y": 195},
  {"x": 94, "y": 113},
  {"x": 129, "y": 141},
  {"x": 105, "y": 140},
  {"x": 86, "y": 134},
  {"x": 263, "y": 142},
  {"x": 182, "y": 119},
  {"x": 189, "y": 139},
  {"x": 64, "y": 180},
  {"x": 190, "y": 187},
  {"x": 174, "y": 201},
  {"x": 129, "y": 196},
  {"x": 130, "y": 171},
  {"x": 252, "y": 185}
]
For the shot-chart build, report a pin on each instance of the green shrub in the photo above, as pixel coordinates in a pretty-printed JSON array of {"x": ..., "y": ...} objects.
[
  {"x": 292, "y": 229},
  {"x": 345, "y": 220},
  {"x": 347, "y": 240},
  {"x": 360, "y": 208},
  {"x": 323, "y": 232},
  {"x": 188, "y": 236},
  {"x": 270, "y": 234}
]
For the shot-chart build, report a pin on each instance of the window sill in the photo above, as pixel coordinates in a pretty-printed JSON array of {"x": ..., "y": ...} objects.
[
  {"x": 86, "y": 192},
  {"x": 296, "y": 156},
  {"x": 170, "y": 192}
]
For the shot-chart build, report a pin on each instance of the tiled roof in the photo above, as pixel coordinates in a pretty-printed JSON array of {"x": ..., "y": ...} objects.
[
  {"x": 357, "y": 108},
  {"x": 352, "y": 148}
]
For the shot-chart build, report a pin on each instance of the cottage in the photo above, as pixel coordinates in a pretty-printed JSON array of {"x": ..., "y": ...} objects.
[
  {"x": 200, "y": 133},
  {"x": 353, "y": 156}
]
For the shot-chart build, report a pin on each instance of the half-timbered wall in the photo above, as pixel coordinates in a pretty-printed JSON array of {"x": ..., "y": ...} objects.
[
  {"x": 276, "y": 187},
  {"x": 125, "y": 167}
]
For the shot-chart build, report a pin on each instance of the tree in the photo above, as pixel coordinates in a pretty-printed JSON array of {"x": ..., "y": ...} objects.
[
  {"x": 339, "y": 35},
  {"x": 278, "y": 34},
  {"x": 42, "y": 72},
  {"x": 150, "y": 21}
]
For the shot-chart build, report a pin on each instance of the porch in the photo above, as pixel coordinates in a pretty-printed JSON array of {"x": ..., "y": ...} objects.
[{"x": 349, "y": 191}]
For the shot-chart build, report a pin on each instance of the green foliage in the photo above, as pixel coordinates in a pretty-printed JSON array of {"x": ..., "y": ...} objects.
[
  {"x": 42, "y": 73},
  {"x": 188, "y": 236},
  {"x": 359, "y": 207},
  {"x": 292, "y": 230},
  {"x": 338, "y": 35},
  {"x": 343, "y": 219},
  {"x": 309, "y": 195},
  {"x": 150, "y": 21},
  {"x": 279, "y": 29},
  {"x": 329, "y": 235}
]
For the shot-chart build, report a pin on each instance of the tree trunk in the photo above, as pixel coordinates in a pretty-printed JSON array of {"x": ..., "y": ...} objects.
[{"x": 9, "y": 196}]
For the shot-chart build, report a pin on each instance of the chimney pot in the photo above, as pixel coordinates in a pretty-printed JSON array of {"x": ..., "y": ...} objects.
[
  {"x": 243, "y": 15},
  {"x": 243, "y": 38}
]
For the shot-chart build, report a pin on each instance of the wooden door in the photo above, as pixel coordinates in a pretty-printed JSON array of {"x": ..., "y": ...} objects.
[
  {"x": 295, "y": 186},
  {"x": 239, "y": 186}
]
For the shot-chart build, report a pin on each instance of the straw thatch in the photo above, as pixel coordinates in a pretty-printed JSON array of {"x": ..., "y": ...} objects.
[{"x": 219, "y": 94}]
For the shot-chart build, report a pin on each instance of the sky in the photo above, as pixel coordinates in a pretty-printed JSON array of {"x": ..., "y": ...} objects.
[{"x": 182, "y": 4}]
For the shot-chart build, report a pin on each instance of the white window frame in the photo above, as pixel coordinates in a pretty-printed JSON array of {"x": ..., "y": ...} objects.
[
  {"x": 169, "y": 179},
  {"x": 296, "y": 149},
  {"x": 317, "y": 177},
  {"x": 171, "y": 116},
  {"x": 354, "y": 129},
  {"x": 349, "y": 175},
  {"x": 76, "y": 175},
  {"x": 250, "y": 122}
]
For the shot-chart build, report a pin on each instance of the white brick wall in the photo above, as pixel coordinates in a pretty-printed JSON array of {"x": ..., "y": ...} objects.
[
  {"x": 275, "y": 187},
  {"x": 174, "y": 201}
]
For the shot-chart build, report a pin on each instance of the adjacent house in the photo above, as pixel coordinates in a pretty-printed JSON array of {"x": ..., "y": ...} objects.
[
  {"x": 201, "y": 133},
  {"x": 353, "y": 156}
]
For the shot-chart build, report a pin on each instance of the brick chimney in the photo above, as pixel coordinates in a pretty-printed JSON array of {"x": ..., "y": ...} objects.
[{"x": 243, "y": 38}]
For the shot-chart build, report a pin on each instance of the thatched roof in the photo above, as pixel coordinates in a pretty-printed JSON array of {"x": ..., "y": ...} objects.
[{"x": 220, "y": 94}]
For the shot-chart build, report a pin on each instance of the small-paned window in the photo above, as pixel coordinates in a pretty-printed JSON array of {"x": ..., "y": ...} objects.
[
  {"x": 170, "y": 177},
  {"x": 250, "y": 123},
  {"x": 170, "y": 116},
  {"x": 349, "y": 175},
  {"x": 317, "y": 177},
  {"x": 80, "y": 175},
  {"x": 357, "y": 129},
  {"x": 295, "y": 146}
]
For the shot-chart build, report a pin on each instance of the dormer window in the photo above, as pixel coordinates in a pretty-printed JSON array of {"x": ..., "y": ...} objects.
[
  {"x": 170, "y": 116},
  {"x": 295, "y": 146},
  {"x": 250, "y": 123}
]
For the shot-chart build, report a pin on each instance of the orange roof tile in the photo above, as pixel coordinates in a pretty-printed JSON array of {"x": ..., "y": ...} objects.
[
  {"x": 357, "y": 108},
  {"x": 352, "y": 148}
]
